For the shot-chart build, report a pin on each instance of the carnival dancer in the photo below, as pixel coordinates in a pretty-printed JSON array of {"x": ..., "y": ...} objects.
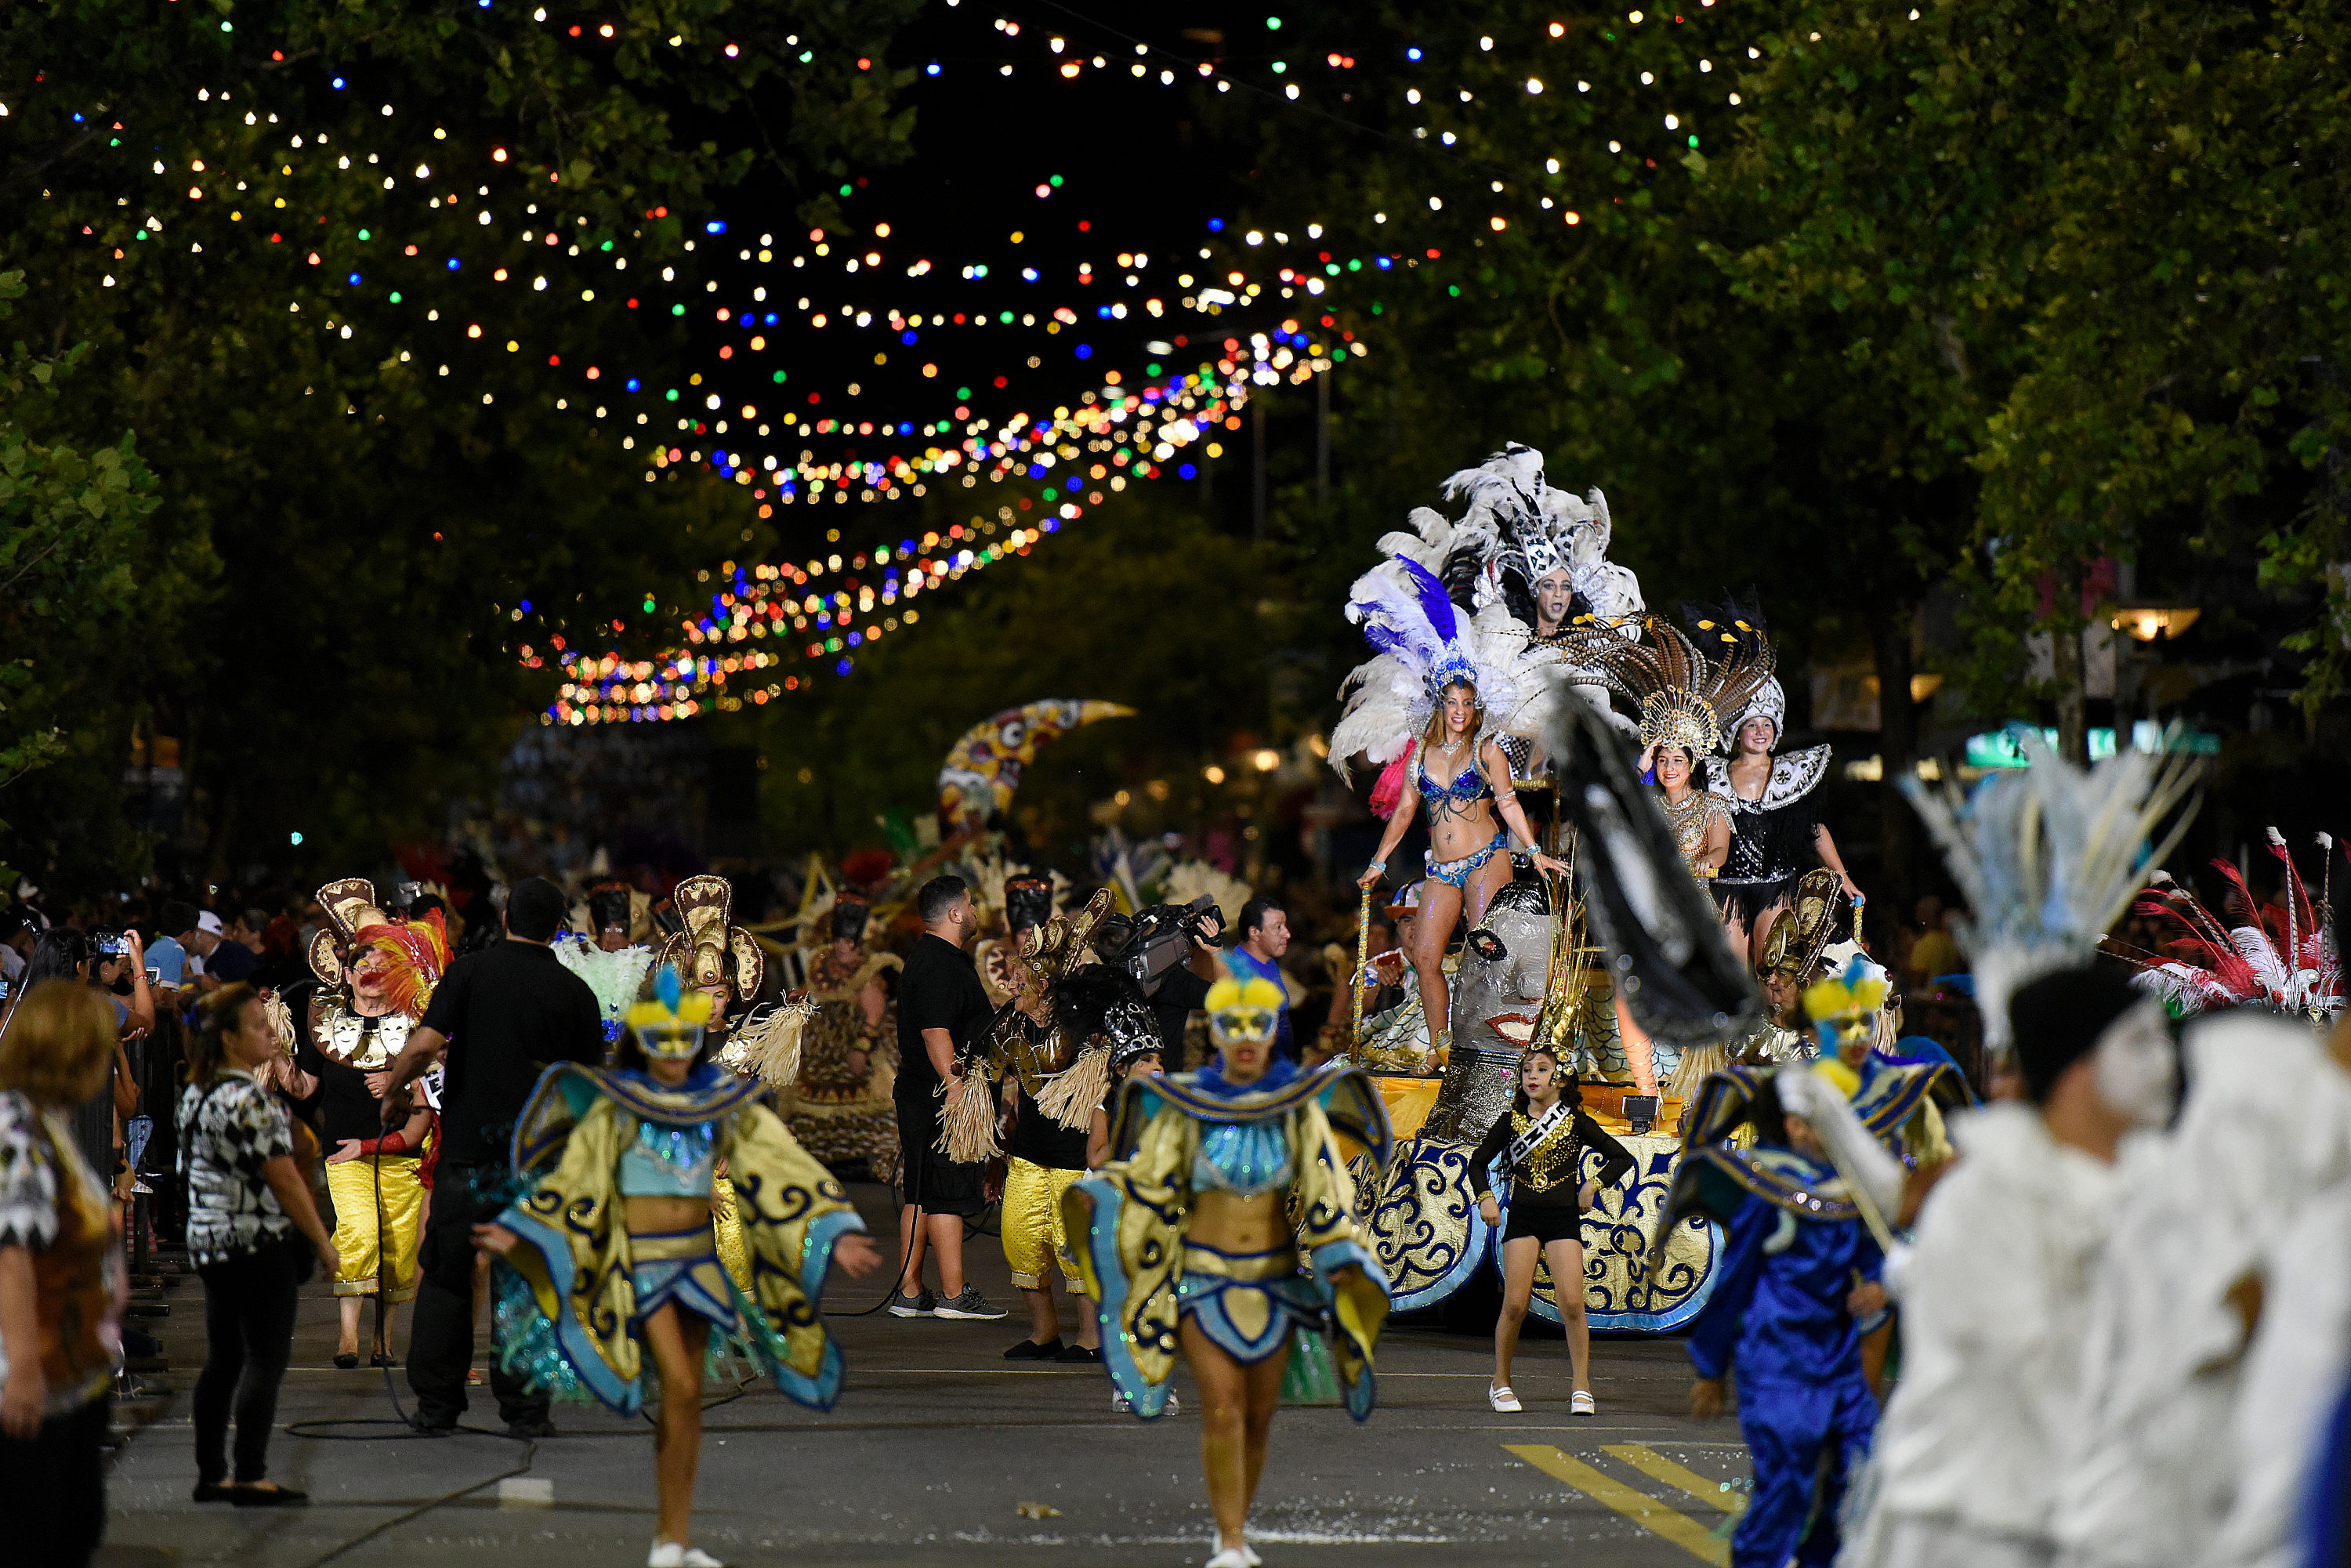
[
  {"x": 1798, "y": 1273},
  {"x": 609, "y": 1251},
  {"x": 2215, "y": 1210},
  {"x": 1223, "y": 1226},
  {"x": 1027, "y": 900},
  {"x": 1538, "y": 1146},
  {"x": 1996, "y": 1293},
  {"x": 1775, "y": 825},
  {"x": 1432, "y": 706},
  {"x": 841, "y": 1108},
  {"x": 2188, "y": 1433},
  {"x": 712, "y": 954},
  {"x": 1055, "y": 1042},
  {"x": 1680, "y": 689},
  {"x": 373, "y": 984},
  {"x": 727, "y": 964}
]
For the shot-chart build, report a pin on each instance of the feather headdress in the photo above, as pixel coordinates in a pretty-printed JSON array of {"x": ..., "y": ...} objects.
[
  {"x": 412, "y": 956},
  {"x": 1423, "y": 644},
  {"x": 1517, "y": 529},
  {"x": 1681, "y": 689},
  {"x": 2245, "y": 963},
  {"x": 616, "y": 977},
  {"x": 2049, "y": 857}
]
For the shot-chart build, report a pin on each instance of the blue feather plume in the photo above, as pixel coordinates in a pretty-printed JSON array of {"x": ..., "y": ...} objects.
[
  {"x": 668, "y": 986},
  {"x": 1434, "y": 602}
]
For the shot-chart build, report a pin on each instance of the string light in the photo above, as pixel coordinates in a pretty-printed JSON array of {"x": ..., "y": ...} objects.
[{"x": 1142, "y": 431}]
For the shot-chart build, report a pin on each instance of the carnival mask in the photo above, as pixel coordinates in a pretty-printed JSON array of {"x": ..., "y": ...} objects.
[
  {"x": 1238, "y": 1012},
  {"x": 671, "y": 1025}
]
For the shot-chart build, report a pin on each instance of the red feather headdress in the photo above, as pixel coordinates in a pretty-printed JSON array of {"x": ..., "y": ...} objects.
[
  {"x": 2244, "y": 963},
  {"x": 416, "y": 952}
]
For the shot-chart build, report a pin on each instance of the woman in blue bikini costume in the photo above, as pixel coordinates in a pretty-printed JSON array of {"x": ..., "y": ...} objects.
[{"x": 1459, "y": 776}]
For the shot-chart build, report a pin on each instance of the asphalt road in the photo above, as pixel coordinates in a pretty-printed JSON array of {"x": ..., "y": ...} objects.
[{"x": 942, "y": 1452}]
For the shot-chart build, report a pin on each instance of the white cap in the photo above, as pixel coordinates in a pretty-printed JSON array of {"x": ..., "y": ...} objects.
[{"x": 208, "y": 921}]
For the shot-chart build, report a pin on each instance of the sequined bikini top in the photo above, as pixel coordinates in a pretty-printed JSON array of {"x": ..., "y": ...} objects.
[
  {"x": 1468, "y": 785},
  {"x": 1243, "y": 1157},
  {"x": 669, "y": 1162}
]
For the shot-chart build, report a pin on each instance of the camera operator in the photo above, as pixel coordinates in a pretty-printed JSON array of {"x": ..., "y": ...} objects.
[{"x": 1164, "y": 948}]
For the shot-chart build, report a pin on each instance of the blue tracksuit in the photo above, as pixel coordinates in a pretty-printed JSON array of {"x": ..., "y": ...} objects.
[{"x": 1778, "y": 1318}]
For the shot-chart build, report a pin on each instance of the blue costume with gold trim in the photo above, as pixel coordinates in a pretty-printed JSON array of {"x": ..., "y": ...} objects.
[
  {"x": 1174, "y": 1137},
  {"x": 572, "y": 1298}
]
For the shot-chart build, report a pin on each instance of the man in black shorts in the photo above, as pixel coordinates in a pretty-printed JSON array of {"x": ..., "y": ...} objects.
[{"x": 942, "y": 1014}]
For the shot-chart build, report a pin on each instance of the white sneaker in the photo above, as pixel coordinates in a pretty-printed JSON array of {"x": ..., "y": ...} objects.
[
  {"x": 1119, "y": 1405},
  {"x": 670, "y": 1554},
  {"x": 1233, "y": 1557},
  {"x": 1503, "y": 1400},
  {"x": 1580, "y": 1404}
]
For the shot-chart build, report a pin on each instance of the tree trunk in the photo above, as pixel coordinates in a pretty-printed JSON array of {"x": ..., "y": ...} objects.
[
  {"x": 2066, "y": 659},
  {"x": 1897, "y": 747}
]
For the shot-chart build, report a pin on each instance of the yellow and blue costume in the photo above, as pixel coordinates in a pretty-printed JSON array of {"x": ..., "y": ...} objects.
[
  {"x": 1176, "y": 1137},
  {"x": 572, "y": 1297}
]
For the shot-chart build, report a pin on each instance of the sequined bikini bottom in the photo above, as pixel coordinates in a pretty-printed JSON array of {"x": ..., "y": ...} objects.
[
  {"x": 683, "y": 1267},
  {"x": 1458, "y": 873},
  {"x": 1246, "y": 1302}
]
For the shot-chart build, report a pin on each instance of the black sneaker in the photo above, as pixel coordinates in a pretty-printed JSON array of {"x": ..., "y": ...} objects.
[
  {"x": 1079, "y": 1354},
  {"x": 970, "y": 1304},
  {"x": 529, "y": 1428},
  {"x": 432, "y": 1426},
  {"x": 1029, "y": 1350},
  {"x": 925, "y": 1305}
]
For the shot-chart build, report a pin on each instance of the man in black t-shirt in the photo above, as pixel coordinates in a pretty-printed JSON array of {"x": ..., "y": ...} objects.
[
  {"x": 943, "y": 1017},
  {"x": 504, "y": 1014}
]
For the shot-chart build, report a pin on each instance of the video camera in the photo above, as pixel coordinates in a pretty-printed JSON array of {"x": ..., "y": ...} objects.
[{"x": 1147, "y": 946}]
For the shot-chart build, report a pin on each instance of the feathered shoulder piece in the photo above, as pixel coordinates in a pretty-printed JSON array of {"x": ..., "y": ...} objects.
[
  {"x": 2247, "y": 960},
  {"x": 2049, "y": 857}
]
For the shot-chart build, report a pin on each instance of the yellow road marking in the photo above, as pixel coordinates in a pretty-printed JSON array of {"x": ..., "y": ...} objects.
[
  {"x": 1642, "y": 1510},
  {"x": 1655, "y": 1466}
]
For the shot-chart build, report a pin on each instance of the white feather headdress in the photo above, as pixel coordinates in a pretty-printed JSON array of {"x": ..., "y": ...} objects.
[
  {"x": 1520, "y": 523},
  {"x": 1426, "y": 644},
  {"x": 2049, "y": 858}
]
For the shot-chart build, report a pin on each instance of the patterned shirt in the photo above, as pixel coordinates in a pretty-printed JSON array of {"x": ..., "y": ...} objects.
[
  {"x": 229, "y": 1131},
  {"x": 54, "y": 1207}
]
